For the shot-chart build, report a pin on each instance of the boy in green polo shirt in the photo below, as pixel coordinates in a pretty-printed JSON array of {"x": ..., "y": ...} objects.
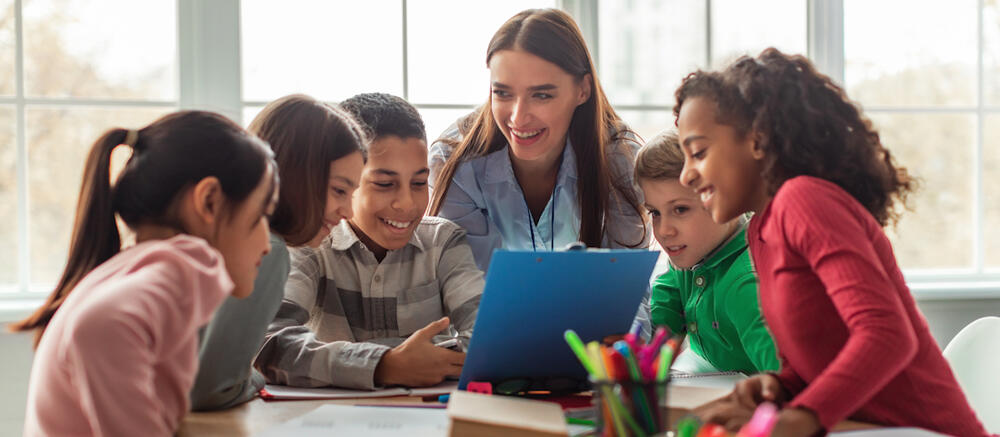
[{"x": 710, "y": 291}]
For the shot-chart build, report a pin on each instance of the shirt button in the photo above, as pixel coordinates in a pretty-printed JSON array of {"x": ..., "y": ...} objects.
[
  {"x": 693, "y": 327},
  {"x": 377, "y": 278},
  {"x": 699, "y": 281}
]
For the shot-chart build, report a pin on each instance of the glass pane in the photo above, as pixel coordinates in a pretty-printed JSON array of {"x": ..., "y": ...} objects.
[
  {"x": 330, "y": 50},
  {"x": 991, "y": 52},
  {"x": 647, "y": 47},
  {"x": 447, "y": 41},
  {"x": 249, "y": 113},
  {"x": 927, "y": 57},
  {"x": 648, "y": 123},
  {"x": 107, "y": 49},
  {"x": 58, "y": 142},
  {"x": 437, "y": 120},
  {"x": 746, "y": 28},
  {"x": 7, "y": 48},
  {"x": 937, "y": 233},
  {"x": 991, "y": 187},
  {"x": 8, "y": 198}
]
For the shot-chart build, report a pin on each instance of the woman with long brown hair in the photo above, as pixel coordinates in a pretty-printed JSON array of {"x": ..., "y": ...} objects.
[{"x": 546, "y": 161}]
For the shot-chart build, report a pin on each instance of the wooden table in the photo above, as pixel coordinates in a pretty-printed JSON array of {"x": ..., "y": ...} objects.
[{"x": 257, "y": 415}]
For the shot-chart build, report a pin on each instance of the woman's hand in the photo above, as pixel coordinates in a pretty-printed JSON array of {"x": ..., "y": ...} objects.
[{"x": 417, "y": 362}]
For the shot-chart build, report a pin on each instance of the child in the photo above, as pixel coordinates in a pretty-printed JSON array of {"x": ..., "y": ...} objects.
[
  {"x": 710, "y": 291},
  {"x": 773, "y": 136},
  {"x": 320, "y": 154},
  {"x": 118, "y": 336},
  {"x": 361, "y": 310}
]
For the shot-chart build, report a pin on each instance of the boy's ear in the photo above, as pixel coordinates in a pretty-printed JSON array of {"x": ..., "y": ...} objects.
[
  {"x": 208, "y": 199},
  {"x": 585, "y": 89}
]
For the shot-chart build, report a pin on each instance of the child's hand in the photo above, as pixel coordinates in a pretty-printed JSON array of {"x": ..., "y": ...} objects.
[
  {"x": 417, "y": 362},
  {"x": 796, "y": 422},
  {"x": 753, "y": 391},
  {"x": 725, "y": 411}
]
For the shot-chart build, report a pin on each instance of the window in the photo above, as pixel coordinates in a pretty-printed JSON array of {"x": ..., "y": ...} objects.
[
  {"x": 430, "y": 52},
  {"x": 918, "y": 81},
  {"x": 75, "y": 69},
  {"x": 70, "y": 69},
  {"x": 646, "y": 47}
]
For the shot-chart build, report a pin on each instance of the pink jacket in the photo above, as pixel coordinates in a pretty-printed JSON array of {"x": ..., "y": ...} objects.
[{"x": 120, "y": 355}]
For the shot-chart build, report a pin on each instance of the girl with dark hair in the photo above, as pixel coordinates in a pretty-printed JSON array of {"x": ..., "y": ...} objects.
[
  {"x": 773, "y": 136},
  {"x": 320, "y": 152},
  {"x": 118, "y": 336},
  {"x": 546, "y": 161}
]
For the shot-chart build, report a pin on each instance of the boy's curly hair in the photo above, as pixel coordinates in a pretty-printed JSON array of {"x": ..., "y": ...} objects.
[{"x": 807, "y": 126}]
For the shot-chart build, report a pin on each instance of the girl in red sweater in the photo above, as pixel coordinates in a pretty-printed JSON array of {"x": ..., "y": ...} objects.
[{"x": 772, "y": 135}]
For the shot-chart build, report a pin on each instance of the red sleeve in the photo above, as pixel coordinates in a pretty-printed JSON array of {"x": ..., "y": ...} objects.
[
  {"x": 790, "y": 380},
  {"x": 834, "y": 234}
]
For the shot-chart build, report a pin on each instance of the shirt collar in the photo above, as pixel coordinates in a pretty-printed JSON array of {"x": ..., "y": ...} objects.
[
  {"x": 342, "y": 237},
  {"x": 734, "y": 244},
  {"x": 500, "y": 169}
]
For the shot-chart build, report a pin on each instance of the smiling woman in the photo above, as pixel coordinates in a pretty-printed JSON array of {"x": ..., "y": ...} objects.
[{"x": 547, "y": 161}]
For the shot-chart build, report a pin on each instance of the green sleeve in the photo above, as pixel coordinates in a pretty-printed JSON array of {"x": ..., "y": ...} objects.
[
  {"x": 666, "y": 306},
  {"x": 743, "y": 309}
]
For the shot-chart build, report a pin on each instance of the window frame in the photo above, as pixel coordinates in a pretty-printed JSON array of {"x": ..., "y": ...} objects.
[{"x": 209, "y": 77}]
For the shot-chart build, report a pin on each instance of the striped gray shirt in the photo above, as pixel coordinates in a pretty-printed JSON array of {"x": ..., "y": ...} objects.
[{"x": 343, "y": 309}]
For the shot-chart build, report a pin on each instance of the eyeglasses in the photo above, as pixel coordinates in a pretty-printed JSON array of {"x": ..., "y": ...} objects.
[{"x": 552, "y": 386}]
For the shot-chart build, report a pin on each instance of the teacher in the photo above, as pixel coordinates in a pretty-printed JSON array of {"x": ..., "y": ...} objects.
[{"x": 546, "y": 161}]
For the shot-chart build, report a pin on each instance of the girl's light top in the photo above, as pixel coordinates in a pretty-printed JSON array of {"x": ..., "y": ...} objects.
[{"x": 120, "y": 355}]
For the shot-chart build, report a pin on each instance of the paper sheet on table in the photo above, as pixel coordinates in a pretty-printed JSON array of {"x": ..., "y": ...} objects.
[
  {"x": 346, "y": 420},
  {"x": 283, "y": 392}
]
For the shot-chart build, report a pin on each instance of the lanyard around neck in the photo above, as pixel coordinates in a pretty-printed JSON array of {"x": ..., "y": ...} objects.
[{"x": 552, "y": 224}]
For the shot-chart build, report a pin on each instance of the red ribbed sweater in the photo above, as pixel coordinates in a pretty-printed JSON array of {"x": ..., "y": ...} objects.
[{"x": 851, "y": 340}]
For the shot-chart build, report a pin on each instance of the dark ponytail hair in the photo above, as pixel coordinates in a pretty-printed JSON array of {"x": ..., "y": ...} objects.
[
  {"x": 552, "y": 35},
  {"x": 306, "y": 136},
  {"x": 807, "y": 126},
  {"x": 169, "y": 156}
]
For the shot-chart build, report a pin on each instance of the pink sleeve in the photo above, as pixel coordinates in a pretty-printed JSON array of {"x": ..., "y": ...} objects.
[{"x": 821, "y": 222}]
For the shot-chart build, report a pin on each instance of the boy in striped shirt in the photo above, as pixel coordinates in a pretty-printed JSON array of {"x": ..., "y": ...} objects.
[{"x": 366, "y": 308}]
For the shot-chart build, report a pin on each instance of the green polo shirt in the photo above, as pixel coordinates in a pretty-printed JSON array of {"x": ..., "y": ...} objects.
[{"x": 715, "y": 303}]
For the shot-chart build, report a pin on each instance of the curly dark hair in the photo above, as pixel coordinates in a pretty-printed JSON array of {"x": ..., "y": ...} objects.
[
  {"x": 382, "y": 114},
  {"x": 807, "y": 126}
]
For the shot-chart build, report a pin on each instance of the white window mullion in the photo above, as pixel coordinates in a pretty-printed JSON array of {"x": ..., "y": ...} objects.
[
  {"x": 825, "y": 37},
  {"x": 978, "y": 209},
  {"x": 208, "y": 33},
  {"x": 23, "y": 234},
  {"x": 585, "y": 13},
  {"x": 406, "y": 53}
]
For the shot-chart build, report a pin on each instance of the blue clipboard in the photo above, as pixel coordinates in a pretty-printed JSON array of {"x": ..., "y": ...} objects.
[{"x": 532, "y": 298}]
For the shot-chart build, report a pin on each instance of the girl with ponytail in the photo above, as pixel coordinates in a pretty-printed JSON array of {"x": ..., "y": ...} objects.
[{"x": 117, "y": 339}]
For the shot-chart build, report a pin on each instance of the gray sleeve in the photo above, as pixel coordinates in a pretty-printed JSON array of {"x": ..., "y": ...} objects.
[
  {"x": 291, "y": 354},
  {"x": 626, "y": 227},
  {"x": 234, "y": 335},
  {"x": 461, "y": 283}
]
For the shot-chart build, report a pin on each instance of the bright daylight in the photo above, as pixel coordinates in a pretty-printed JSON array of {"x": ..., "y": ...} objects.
[{"x": 525, "y": 217}]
